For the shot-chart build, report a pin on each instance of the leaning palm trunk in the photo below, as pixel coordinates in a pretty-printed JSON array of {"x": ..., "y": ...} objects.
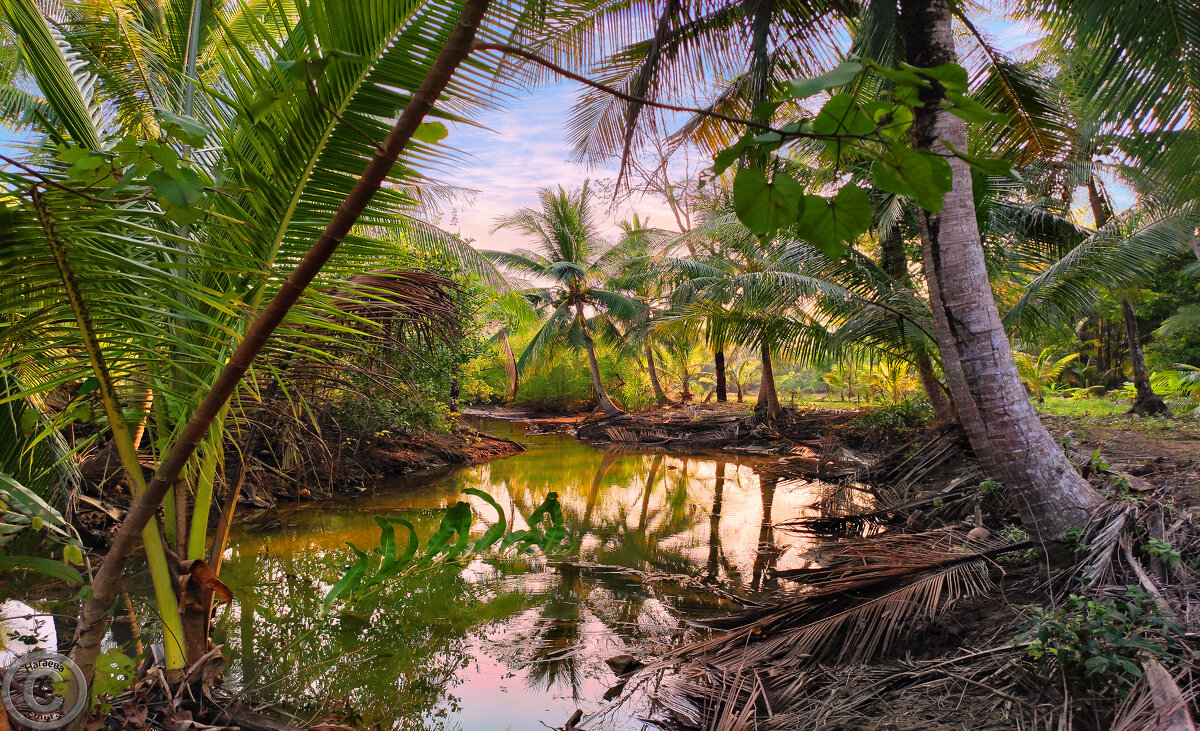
[
  {"x": 605, "y": 403},
  {"x": 768, "y": 397},
  {"x": 943, "y": 410},
  {"x": 1005, "y": 432},
  {"x": 93, "y": 620},
  {"x": 659, "y": 394},
  {"x": 1146, "y": 403}
]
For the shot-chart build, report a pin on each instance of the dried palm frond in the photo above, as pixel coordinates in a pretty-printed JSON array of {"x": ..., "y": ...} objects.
[
  {"x": 859, "y": 522},
  {"x": 873, "y": 593}
]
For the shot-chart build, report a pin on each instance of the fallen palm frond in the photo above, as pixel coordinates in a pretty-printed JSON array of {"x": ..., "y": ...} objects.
[
  {"x": 860, "y": 522},
  {"x": 872, "y": 593},
  {"x": 869, "y": 595},
  {"x": 898, "y": 472}
]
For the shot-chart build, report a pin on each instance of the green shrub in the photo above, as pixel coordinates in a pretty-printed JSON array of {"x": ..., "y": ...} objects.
[{"x": 1096, "y": 644}]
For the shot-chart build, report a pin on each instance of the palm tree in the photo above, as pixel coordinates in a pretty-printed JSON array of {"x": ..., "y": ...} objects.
[
  {"x": 141, "y": 289},
  {"x": 574, "y": 257},
  {"x": 1041, "y": 371},
  {"x": 1004, "y": 429}
]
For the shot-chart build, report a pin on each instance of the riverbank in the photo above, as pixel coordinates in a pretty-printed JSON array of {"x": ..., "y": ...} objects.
[{"x": 281, "y": 471}]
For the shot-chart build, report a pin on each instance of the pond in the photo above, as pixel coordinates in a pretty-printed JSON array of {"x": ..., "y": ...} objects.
[{"x": 503, "y": 644}]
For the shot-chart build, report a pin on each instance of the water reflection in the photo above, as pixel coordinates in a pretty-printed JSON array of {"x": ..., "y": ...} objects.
[{"x": 503, "y": 644}]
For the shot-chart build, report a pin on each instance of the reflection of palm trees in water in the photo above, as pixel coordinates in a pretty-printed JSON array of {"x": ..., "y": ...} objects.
[
  {"x": 768, "y": 554},
  {"x": 612, "y": 599},
  {"x": 714, "y": 527}
]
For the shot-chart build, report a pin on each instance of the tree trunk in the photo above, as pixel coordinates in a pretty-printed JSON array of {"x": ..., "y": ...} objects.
[
  {"x": 893, "y": 261},
  {"x": 93, "y": 620},
  {"x": 768, "y": 397},
  {"x": 604, "y": 402},
  {"x": 1196, "y": 245},
  {"x": 719, "y": 367},
  {"x": 1008, "y": 438},
  {"x": 659, "y": 394},
  {"x": 943, "y": 410},
  {"x": 1147, "y": 402}
]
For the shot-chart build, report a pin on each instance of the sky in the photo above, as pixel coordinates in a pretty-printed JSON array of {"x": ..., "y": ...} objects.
[
  {"x": 516, "y": 151},
  {"x": 523, "y": 147}
]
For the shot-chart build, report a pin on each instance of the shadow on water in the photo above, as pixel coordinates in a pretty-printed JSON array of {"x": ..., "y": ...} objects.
[{"x": 503, "y": 644}]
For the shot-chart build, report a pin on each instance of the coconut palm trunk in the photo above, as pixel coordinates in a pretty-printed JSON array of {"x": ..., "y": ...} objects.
[
  {"x": 893, "y": 261},
  {"x": 943, "y": 410},
  {"x": 719, "y": 367},
  {"x": 605, "y": 403},
  {"x": 659, "y": 394},
  {"x": 1008, "y": 437},
  {"x": 1147, "y": 403},
  {"x": 768, "y": 396}
]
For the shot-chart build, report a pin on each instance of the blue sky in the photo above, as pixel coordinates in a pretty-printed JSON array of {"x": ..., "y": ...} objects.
[{"x": 523, "y": 147}]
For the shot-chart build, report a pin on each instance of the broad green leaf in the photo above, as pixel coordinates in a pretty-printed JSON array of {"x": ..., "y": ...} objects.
[
  {"x": 993, "y": 166},
  {"x": 495, "y": 531},
  {"x": 922, "y": 176},
  {"x": 455, "y": 522},
  {"x": 183, "y": 128},
  {"x": 180, "y": 192},
  {"x": 431, "y": 132},
  {"x": 840, "y": 75},
  {"x": 45, "y": 566},
  {"x": 901, "y": 76},
  {"x": 969, "y": 110},
  {"x": 350, "y": 580},
  {"x": 766, "y": 206},
  {"x": 842, "y": 116},
  {"x": 894, "y": 120},
  {"x": 723, "y": 159},
  {"x": 831, "y": 223},
  {"x": 765, "y": 111},
  {"x": 951, "y": 76}
]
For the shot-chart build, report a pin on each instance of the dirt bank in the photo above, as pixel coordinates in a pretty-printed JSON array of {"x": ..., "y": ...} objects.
[
  {"x": 702, "y": 429},
  {"x": 288, "y": 468}
]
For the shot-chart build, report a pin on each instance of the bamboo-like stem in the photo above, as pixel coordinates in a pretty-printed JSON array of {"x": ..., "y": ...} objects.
[
  {"x": 202, "y": 507},
  {"x": 160, "y": 572},
  {"x": 94, "y": 619}
]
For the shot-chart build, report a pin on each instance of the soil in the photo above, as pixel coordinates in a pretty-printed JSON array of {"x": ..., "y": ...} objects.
[
  {"x": 102, "y": 501},
  {"x": 698, "y": 429}
]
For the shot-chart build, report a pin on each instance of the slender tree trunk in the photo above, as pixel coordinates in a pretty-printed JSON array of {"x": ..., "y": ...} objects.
[
  {"x": 659, "y": 394},
  {"x": 768, "y": 397},
  {"x": 1147, "y": 403},
  {"x": 943, "y": 410},
  {"x": 1196, "y": 244},
  {"x": 719, "y": 367},
  {"x": 93, "y": 620},
  {"x": 605, "y": 403},
  {"x": 893, "y": 261},
  {"x": 1005, "y": 432}
]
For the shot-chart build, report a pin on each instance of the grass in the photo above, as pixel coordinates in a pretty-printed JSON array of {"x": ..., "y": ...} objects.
[{"x": 1077, "y": 407}]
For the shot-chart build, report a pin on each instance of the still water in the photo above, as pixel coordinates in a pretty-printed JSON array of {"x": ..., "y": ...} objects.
[{"x": 503, "y": 644}]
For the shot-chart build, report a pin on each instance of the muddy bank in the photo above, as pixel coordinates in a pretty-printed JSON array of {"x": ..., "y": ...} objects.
[
  {"x": 700, "y": 429},
  {"x": 284, "y": 468}
]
